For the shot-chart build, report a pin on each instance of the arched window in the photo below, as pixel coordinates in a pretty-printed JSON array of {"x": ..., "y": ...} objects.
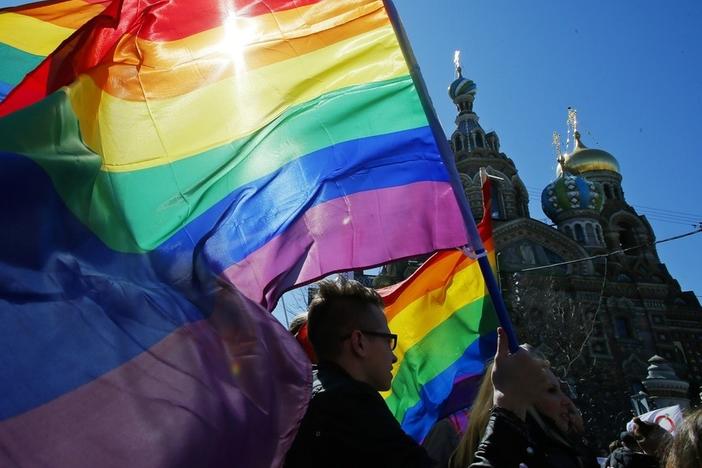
[
  {"x": 608, "y": 191},
  {"x": 627, "y": 239},
  {"x": 458, "y": 143},
  {"x": 590, "y": 234},
  {"x": 497, "y": 205},
  {"x": 479, "y": 143},
  {"x": 569, "y": 231},
  {"x": 600, "y": 238},
  {"x": 522, "y": 210},
  {"x": 622, "y": 327},
  {"x": 579, "y": 233}
]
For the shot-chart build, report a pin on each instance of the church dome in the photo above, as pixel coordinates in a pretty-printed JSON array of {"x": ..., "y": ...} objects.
[
  {"x": 584, "y": 159},
  {"x": 570, "y": 192},
  {"x": 461, "y": 87}
]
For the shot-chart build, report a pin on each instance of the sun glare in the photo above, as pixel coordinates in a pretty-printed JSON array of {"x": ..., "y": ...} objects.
[{"x": 239, "y": 33}]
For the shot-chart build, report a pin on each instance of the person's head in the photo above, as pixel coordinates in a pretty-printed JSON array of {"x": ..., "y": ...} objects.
[
  {"x": 628, "y": 440},
  {"x": 346, "y": 325},
  {"x": 298, "y": 327},
  {"x": 686, "y": 449},
  {"x": 479, "y": 415},
  {"x": 297, "y": 323},
  {"x": 554, "y": 404},
  {"x": 651, "y": 438}
]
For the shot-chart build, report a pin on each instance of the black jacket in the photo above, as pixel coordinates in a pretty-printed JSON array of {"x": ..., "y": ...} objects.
[
  {"x": 510, "y": 442},
  {"x": 348, "y": 424},
  {"x": 507, "y": 444},
  {"x": 626, "y": 458}
]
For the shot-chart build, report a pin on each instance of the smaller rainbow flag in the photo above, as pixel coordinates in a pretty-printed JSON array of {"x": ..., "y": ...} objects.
[
  {"x": 29, "y": 33},
  {"x": 445, "y": 322}
]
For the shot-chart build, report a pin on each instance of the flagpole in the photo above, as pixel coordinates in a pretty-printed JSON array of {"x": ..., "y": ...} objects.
[{"x": 448, "y": 159}]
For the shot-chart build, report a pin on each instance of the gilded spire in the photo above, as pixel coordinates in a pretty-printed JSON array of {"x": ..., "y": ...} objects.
[
  {"x": 572, "y": 122},
  {"x": 573, "y": 119},
  {"x": 578, "y": 143},
  {"x": 457, "y": 62},
  {"x": 556, "y": 141}
]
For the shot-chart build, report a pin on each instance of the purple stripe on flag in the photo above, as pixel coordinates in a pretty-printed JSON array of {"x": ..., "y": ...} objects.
[
  {"x": 180, "y": 403},
  {"x": 462, "y": 394},
  {"x": 334, "y": 236}
]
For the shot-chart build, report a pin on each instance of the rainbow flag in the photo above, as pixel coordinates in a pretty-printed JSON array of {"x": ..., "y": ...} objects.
[
  {"x": 251, "y": 125},
  {"x": 28, "y": 33},
  {"x": 166, "y": 168},
  {"x": 446, "y": 323}
]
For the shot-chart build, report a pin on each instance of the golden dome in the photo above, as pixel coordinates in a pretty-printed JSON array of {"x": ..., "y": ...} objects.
[{"x": 584, "y": 159}]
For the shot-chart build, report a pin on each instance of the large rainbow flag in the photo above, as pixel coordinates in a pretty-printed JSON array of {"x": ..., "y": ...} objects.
[
  {"x": 446, "y": 323},
  {"x": 167, "y": 167},
  {"x": 28, "y": 33},
  {"x": 251, "y": 125}
]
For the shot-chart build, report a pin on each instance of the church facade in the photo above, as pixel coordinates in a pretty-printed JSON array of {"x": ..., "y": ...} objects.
[{"x": 598, "y": 320}]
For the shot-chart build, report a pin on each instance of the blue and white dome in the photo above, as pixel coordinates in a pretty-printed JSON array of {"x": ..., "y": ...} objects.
[
  {"x": 462, "y": 87},
  {"x": 569, "y": 192}
]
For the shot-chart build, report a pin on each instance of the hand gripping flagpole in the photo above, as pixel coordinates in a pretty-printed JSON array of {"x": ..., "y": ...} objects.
[{"x": 448, "y": 158}]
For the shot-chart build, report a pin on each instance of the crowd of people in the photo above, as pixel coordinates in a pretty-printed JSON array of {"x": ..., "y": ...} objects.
[{"x": 521, "y": 417}]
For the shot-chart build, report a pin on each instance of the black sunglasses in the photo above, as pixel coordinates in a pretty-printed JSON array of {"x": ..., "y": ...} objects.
[{"x": 389, "y": 336}]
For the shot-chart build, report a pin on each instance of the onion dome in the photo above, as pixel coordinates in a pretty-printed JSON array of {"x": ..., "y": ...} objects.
[
  {"x": 570, "y": 192},
  {"x": 584, "y": 159},
  {"x": 461, "y": 87}
]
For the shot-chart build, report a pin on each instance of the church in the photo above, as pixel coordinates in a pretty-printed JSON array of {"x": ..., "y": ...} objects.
[{"x": 588, "y": 289}]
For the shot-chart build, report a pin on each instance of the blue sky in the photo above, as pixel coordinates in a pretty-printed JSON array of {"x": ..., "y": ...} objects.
[{"x": 633, "y": 70}]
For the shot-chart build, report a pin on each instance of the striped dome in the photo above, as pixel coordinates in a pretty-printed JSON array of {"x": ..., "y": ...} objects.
[
  {"x": 570, "y": 192},
  {"x": 461, "y": 87}
]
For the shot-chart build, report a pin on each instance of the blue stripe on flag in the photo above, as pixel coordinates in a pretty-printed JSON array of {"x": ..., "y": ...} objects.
[{"x": 422, "y": 416}]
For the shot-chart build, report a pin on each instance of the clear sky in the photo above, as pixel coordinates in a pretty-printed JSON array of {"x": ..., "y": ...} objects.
[{"x": 633, "y": 70}]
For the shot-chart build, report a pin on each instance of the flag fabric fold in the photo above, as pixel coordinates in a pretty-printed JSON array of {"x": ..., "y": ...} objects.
[
  {"x": 226, "y": 122},
  {"x": 166, "y": 168},
  {"x": 445, "y": 322},
  {"x": 30, "y": 32}
]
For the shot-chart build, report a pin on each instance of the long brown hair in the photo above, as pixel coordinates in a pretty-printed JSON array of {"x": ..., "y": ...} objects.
[{"x": 479, "y": 416}]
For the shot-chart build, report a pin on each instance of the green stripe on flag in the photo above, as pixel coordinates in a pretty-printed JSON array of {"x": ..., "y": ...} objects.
[
  {"x": 137, "y": 211},
  {"x": 16, "y": 64},
  {"x": 440, "y": 348}
]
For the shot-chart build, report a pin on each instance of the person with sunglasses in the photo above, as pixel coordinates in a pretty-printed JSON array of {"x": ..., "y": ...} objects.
[{"x": 347, "y": 423}]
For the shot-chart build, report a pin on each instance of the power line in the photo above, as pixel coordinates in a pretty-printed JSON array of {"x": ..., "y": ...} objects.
[
  {"x": 669, "y": 211},
  {"x": 616, "y": 252}
]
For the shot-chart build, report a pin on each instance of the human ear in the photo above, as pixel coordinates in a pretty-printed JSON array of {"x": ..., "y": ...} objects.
[{"x": 358, "y": 344}]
